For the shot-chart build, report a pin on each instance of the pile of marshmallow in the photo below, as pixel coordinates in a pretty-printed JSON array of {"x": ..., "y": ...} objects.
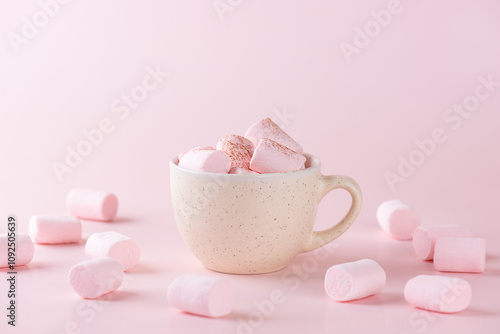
[
  {"x": 451, "y": 247},
  {"x": 111, "y": 253},
  {"x": 265, "y": 148}
]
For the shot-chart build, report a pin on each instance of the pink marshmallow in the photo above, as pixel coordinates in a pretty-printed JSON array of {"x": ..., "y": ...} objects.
[
  {"x": 438, "y": 293},
  {"x": 266, "y": 128},
  {"x": 460, "y": 254},
  {"x": 196, "y": 148},
  {"x": 24, "y": 249},
  {"x": 114, "y": 245},
  {"x": 398, "y": 219},
  {"x": 271, "y": 157},
  {"x": 51, "y": 229},
  {"x": 213, "y": 161},
  {"x": 238, "y": 148},
  {"x": 354, "y": 280},
  {"x": 94, "y": 278},
  {"x": 424, "y": 238},
  {"x": 239, "y": 170},
  {"x": 92, "y": 204},
  {"x": 202, "y": 295}
]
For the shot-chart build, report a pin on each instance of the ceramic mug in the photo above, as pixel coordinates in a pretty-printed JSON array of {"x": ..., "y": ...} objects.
[{"x": 252, "y": 224}]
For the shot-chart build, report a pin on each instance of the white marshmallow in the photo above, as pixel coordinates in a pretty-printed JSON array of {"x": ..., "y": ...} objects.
[
  {"x": 180, "y": 155},
  {"x": 398, "y": 219},
  {"x": 425, "y": 237},
  {"x": 51, "y": 229},
  {"x": 266, "y": 128},
  {"x": 460, "y": 254},
  {"x": 94, "y": 278},
  {"x": 202, "y": 295},
  {"x": 438, "y": 293},
  {"x": 24, "y": 249},
  {"x": 354, "y": 280},
  {"x": 213, "y": 161},
  {"x": 92, "y": 204},
  {"x": 114, "y": 245},
  {"x": 272, "y": 157},
  {"x": 238, "y": 148}
]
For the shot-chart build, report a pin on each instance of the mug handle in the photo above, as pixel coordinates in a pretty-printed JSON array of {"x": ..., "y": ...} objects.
[{"x": 328, "y": 183}]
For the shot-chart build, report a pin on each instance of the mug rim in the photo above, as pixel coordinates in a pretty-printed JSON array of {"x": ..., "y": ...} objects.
[{"x": 313, "y": 161}]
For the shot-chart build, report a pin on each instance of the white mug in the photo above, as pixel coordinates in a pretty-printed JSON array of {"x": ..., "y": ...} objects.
[{"x": 252, "y": 224}]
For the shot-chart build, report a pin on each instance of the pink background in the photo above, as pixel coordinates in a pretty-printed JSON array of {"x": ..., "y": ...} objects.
[{"x": 263, "y": 58}]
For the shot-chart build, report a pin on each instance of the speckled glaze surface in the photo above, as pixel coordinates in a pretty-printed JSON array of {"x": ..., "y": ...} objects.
[{"x": 250, "y": 224}]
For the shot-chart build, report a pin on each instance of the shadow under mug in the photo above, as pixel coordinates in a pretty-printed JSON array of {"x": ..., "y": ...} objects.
[{"x": 253, "y": 224}]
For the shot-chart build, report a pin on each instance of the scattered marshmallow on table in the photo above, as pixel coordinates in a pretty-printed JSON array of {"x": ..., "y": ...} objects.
[
  {"x": 272, "y": 157},
  {"x": 202, "y": 295},
  {"x": 438, "y": 293},
  {"x": 424, "y": 238},
  {"x": 92, "y": 204},
  {"x": 53, "y": 229},
  {"x": 114, "y": 245},
  {"x": 94, "y": 278},
  {"x": 238, "y": 148},
  {"x": 354, "y": 280},
  {"x": 24, "y": 250},
  {"x": 398, "y": 219},
  {"x": 213, "y": 161},
  {"x": 266, "y": 128},
  {"x": 460, "y": 254},
  {"x": 239, "y": 170}
]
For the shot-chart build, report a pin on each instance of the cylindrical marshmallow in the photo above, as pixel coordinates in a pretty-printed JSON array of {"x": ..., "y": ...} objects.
[
  {"x": 438, "y": 293},
  {"x": 24, "y": 249},
  {"x": 202, "y": 295},
  {"x": 180, "y": 155},
  {"x": 212, "y": 161},
  {"x": 94, "y": 278},
  {"x": 398, "y": 219},
  {"x": 92, "y": 204},
  {"x": 47, "y": 229},
  {"x": 460, "y": 254},
  {"x": 114, "y": 245},
  {"x": 272, "y": 157},
  {"x": 354, "y": 280},
  {"x": 424, "y": 238},
  {"x": 266, "y": 128}
]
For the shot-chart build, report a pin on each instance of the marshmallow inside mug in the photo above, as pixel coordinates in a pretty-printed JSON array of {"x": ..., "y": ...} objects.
[{"x": 255, "y": 223}]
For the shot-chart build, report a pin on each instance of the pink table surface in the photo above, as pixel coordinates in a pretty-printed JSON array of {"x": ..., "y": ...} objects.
[
  {"x": 47, "y": 303},
  {"x": 279, "y": 59}
]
